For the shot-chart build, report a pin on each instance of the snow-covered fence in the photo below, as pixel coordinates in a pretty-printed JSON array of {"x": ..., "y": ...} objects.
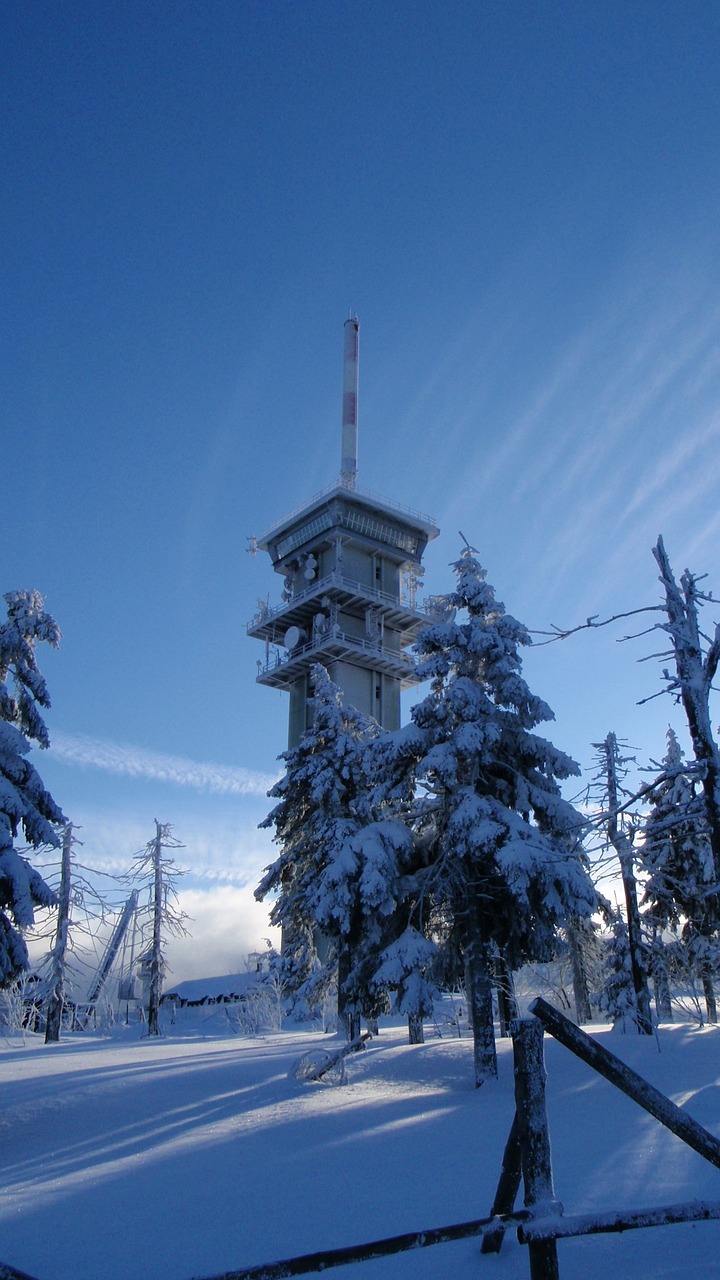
[
  {"x": 527, "y": 1152},
  {"x": 310, "y": 1262},
  {"x": 527, "y": 1159},
  {"x": 542, "y": 1222},
  {"x": 627, "y": 1080}
]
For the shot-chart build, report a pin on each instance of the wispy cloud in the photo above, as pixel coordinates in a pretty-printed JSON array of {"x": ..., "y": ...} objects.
[
  {"x": 215, "y": 850},
  {"x": 136, "y": 762}
]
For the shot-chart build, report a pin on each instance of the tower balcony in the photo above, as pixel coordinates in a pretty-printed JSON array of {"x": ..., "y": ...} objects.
[
  {"x": 270, "y": 624},
  {"x": 283, "y": 667}
]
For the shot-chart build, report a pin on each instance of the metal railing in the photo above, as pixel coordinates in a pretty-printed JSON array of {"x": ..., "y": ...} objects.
[
  {"x": 339, "y": 580},
  {"x": 281, "y": 658}
]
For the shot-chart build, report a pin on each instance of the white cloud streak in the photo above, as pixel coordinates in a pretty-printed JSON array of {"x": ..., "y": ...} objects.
[{"x": 136, "y": 762}]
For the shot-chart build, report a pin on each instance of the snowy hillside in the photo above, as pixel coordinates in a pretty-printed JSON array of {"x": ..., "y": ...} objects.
[{"x": 127, "y": 1158}]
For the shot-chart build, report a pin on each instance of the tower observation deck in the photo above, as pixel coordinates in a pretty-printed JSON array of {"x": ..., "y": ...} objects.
[{"x": 351, "y": 562}]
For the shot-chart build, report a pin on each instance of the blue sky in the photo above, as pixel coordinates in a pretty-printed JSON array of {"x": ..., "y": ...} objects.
[{"x": 520, "y": 201}]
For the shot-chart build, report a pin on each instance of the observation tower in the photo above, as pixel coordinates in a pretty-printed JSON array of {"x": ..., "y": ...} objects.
[{"x": 351, "y": 564}]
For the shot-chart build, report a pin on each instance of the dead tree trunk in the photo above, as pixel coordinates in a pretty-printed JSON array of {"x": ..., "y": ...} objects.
[
  {"x": 693, "y": 682},
  {"x": 156, "y": 945},
  {"x": 56, "y": 1001},
  {"x": 623, "y": 848}
]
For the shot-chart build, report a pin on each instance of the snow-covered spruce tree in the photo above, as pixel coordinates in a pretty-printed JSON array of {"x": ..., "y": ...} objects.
[
  {"x": 400, "y": 955},
  {"x": 677, "y": 854},
  {"x": 617, "y": 994},
  {"x": 405, "y": 964},
  {"x": 25, "y": 805},
  {"x": 501, "y": 845},
  {"x": 315, "y": 878},
  {"x": 373, "y": 883}
]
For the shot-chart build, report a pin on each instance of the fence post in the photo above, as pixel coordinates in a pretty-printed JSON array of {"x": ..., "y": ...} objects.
[
  {"x": 507, "y": 1189},
  {"x": 534, "y": 1139}
]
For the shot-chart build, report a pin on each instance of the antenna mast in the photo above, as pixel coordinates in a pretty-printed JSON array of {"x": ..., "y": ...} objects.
[{"x": 349, "y": 454}]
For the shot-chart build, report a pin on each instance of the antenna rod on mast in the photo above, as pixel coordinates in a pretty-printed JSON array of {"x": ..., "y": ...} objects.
[{"x": 349, "y": 454}]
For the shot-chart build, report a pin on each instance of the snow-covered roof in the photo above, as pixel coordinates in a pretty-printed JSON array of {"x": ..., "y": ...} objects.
[{"x": 231, "y": 984}]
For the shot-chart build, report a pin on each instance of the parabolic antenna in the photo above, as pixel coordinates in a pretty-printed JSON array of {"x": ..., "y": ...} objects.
[{"x": 292, "y": 637}]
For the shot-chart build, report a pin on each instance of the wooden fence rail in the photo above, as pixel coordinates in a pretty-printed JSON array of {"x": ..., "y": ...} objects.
[
  {"x": 562, "y": 1227},
  {"x": 310, "y": 1262},
  {"x": 627, "y": 1080}
]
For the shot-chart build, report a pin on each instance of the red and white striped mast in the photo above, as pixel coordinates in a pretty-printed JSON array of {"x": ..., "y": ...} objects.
[{"x": 349, "y": 453}]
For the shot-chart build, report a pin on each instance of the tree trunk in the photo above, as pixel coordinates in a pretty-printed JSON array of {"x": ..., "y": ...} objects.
[
  {"x": 156, "y": 945},
  {"x": 663, "y": 1002},
  {"x": 507, "y": 1004},
  {"x": 468, "y": 1003},
  {"x": 623, "y": 848},
  {"x": 694, "y": 680},
  {"x": 348, "y": 1019},
  {"x": 709, "y": 993},
  {"x": 56, "y": 1002},
  {"x": 581, "y": 992},
  {"x": 481, "y": 1002},
  {"x": 416, "y": 1030},
  {"x": 479, "y": 976},
  {"x": 639, "y": 973}
]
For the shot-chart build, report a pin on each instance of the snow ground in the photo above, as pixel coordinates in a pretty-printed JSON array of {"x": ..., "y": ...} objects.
[{"x": 126, "y": 1158}]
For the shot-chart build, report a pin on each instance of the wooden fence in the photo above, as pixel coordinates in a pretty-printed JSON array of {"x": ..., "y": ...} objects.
[{"x": 541, "y": 1223}]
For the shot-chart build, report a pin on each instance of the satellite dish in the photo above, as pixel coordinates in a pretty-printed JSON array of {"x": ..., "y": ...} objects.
[{"x": 293, "y": 637}]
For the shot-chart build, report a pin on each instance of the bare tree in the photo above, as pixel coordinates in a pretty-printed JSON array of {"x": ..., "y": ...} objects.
[
  {"x": 695, "y": 656},
  {"x": 161, "y": 874},
  {"x": 58, "y": 954},
  {"x": 622, "y": 842},
  {"x": 695, "y": 668}
]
